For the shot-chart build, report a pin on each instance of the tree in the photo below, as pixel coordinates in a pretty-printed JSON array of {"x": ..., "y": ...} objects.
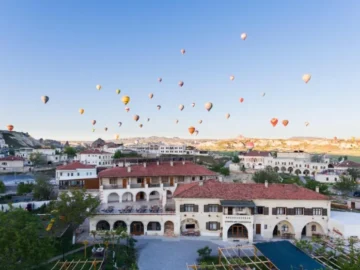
[
  {"x": 354, "y": 173},
  {"x": 204, "y": 253},
  {"x": 297, "y": 172},
  {"x": 42, "y": 188},
  {"x": 117, "y": 154},
  {"x": 268, "y": 174},
  {"x": 23, "y": 243},
  {"x": 70, "y": 151},
  {"x": 76, "y": 206},
  {"x": 242, "y": 168},
  {"x": 345, "y": 185},
  {"x": 225, "y": 171},
  {"x": 36, "y": 158},
  {"x": 236, "y": 159},
  {"x": 316, "y": 158},
  {"x": 2, "y": 187},
  {"x": 23, "y": 188},
  {"x": 312, "y": 184}
]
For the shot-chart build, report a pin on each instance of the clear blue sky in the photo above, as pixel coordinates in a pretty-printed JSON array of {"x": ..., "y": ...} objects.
[{"x": 63, "y": 49}]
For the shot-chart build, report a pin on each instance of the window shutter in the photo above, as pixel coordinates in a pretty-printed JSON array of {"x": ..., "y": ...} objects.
[
  {"x": 266, "y": 210},
  {"x": 218, "y": 225},
  {"x": 182, "y": 208},
  {"x": 290, "y": 211},
  {"x": 324, "y": 212},
  {"x": 220, "y": 209},
  {"x": 196, "y": 208},
  {"x": 206, "y": 208},
  {"x": 308, "y": 211},
  {"x": 274, "y": 211},
  {"x": 208, "y": 225}
]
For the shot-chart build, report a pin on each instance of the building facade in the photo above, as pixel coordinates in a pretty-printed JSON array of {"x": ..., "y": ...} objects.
[
  {"x": 12, "y": 164},
  {"x": 95, "y": 157},
  {"x": 165, "y": 149}
]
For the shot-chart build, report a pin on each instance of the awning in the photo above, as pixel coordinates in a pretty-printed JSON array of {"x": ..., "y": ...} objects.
[{"x": 235, "y": 203}]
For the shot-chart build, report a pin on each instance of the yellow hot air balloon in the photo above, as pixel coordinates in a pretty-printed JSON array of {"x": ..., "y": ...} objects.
[
  {"x": 151, "y": 95},
  {"x": 243, "y": 36},
  {"x": 136, "y": 117},
  {"x": 182, "y": 51},
  {"x": 181, "y": 107},
  {"x": 208, "y": 106},
  {"x": 232, "y": 77},
  {"x": 45, "y": 99},
  {"x": 116, "y": 136},
  {"x": 191, "y": 130},
  {"x": 98, "y": 87},
  {"x": 81, "y": 111},
  {"x": 125, "y": 99},
  {"x": 306, "y": 78},
  {"x": 118, "y": 91}
]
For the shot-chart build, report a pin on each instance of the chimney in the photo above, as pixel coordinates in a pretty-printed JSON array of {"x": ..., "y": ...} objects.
[
  {"x": 317, "y": 189},
  {"x": 171, "y": 163},
  {"x": 266, "y": 183},
  {"x": 158, "y": 163},
  {"x": 144, "y": 164},
  {"x": 129, "y": 168}
]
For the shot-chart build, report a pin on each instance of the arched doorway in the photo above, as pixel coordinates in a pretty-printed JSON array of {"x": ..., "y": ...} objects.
[
  {"x": 120, "y": 224},
  {"x": 154, "y": 226},
  {"x": 154, "y": 195},
  {"x": 113, "y": 198},
  {"x": 284, "y": 229},
  {"x": 238, "y": 231},
  {"x": 103, "y": 225},
  {"x": 306, "y": 172},
  {"x": 290, "y": 170},
  {"x": 127, "y": 197},
  {"x": 169, "y": 228},
  {"x": 137, "y": 228},
  {"x": 312, "y": 229},
  {"x": 141, "y": 196},
  {"x": 276, "y": 169},
  {"x": 283, "y": 169},
  {"x": 190, "y": 226},
  {"x": 297, "y": 172}
]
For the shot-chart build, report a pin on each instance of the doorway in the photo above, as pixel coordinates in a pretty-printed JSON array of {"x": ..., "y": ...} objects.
[
  {"x": 237, "y": 231},
  {"x": 230, "y": 210},
  {"x": 137, "y": 228},
  {"x": 258, "y": 229}
]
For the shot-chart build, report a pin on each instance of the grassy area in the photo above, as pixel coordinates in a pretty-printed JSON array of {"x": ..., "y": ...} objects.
[{"x": 350, "y": 158}]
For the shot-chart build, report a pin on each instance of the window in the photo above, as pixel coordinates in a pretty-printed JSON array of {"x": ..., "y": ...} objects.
[
  {"x": 335, "y": 179},
  {"x": 139, "y": 180},
  {"x": 190, "y": 226},
  {"x": 284, "y": 228},
  {"x": 327, "y": 178},
  {"x": 189, "y": 208},
  {"x": 265, "y": 226},
  {"x": 281, "y": 211},
  {"x": 201, "y": 178},
  {"x": 213, "y": 208},
  {"x": 213, "y": 226},
  {"x": 61, "y": 174},
  {"x": 317, "y": 211},
  {"x": 260, "y": 210},
  {"x": 299, "y": 211},
  {"x": 112, "y": 181},
  {"x": 193, "y": 178},
  {"x": 313, "y": 228},
  {"x": 72, "y": 174},
  {"x": 78, "y": 174}
]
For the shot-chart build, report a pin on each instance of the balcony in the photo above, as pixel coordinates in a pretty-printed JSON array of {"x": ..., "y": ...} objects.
[
  {"x": 137, "y": 186},
  {"x": 168, "y": 185},
  {"x": 154, "y": 185},
  {"x": 136, "y": 208},
  {"x": 113, "y": 187}
]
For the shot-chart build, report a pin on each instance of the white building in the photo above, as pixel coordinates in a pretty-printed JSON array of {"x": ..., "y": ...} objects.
[
  {"x": 148, "y": 185},
  {"x": 95, "y": 157},
  {"x": 3, "y": 143},
  {"x": 298, "y": 163},
  {"x": 112, "y": 148},
  {"x": 12, "y": 164},
  {"x": 246, "y": 212},
  {"x": 344, "y": 225},
  {"x": 52, "y": 155},
  {"x": 24, "y": 152},
  {"x": 165, "y": 149},
  {"x": 77, "y": 175}
]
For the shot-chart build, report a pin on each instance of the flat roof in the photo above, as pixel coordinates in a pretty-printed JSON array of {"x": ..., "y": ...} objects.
[{"x": 347, "y": 218}]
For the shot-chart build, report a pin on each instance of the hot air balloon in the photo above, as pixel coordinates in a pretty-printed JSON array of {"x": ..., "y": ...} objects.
[
  {"x": 227, "y": 115},
  {"x": 243, "y": 36},
  {"x": 116, "y": 136},
  {"x": 263, "y": 94},
  {"x": 191, "y": 130},
  {"x": 81, "y": 111},
  {"x": 141, "y": 125},
  {"x": 125, "y": 99},
  {"x": 208, "y": 106},
  {"x": 182, "y": 51},
  {"x": 160, "y": 79},
  {"x": 106, "y": 129},
  {"x": 10, "y": 127},
  {"x": 127, "y": 109},
  {"x": 120, "y": 124},
  {"x": 158, "y": 107},
  {"x": 98, "y": 87},
  {"x": 181, "y": 107},
  {"x": 176, "y": 121},
  {"x": 274, "y": 121},
  {"x": 151, "y": 95},
  {"x": 136, "y": 117},
  {"x": 241, "y": 100},
  {"x": 148, "y": 119},
  {"x": 118, "y": 91},
  {"x": 181, "y": 83},
  {"x": 196, "y": 132},
  {"x": 193, "y": 104},
  {"x": 249, "y": 145},
  {"x": 307, "y": 123},
  {"x": 45, "y": 99},
  {"x": 285, "y": 122},
  {"x": 232, "y": 77},
  {"x": 200, "y": 121},
  {"x": 93, "y": 122},
  {"x": 306, "y": 78},
  {"x": 93, "y": 130}
]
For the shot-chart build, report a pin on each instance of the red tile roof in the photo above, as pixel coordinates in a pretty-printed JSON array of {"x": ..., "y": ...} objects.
[
  {"x": 11, "y": 158},
  {"x": 235, "y": 191},
  {"x": 255, "y": 154},
  {"x": 347, "y": 164},
  {"x": 94, "y": 152},
  {"x": 163, "y": 169},
  {"x": 74, "y": 166}
]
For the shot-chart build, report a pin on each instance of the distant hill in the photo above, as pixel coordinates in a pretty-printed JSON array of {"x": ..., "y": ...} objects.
[{"x": 17, "y": 140}]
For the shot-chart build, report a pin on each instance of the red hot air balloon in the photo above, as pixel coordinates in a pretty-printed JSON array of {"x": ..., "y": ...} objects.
[
  {"x": 10, "y": 127},
  {"x": 241, "y": 100},
  {"x": 191, "y": 130},
  {"x": 285, "y": 122},
  {"x": 274, "y": 121},
  {"x": 249, "y": 145}
]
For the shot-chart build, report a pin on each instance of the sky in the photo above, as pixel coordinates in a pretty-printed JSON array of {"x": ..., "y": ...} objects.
[{"x": 63, "y": 49}]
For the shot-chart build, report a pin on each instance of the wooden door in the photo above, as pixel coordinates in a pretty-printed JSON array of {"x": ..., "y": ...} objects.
[
  {"x": 143, "y": 183},
  {"x": 230, "y": 210},
  {"x": 239, "y": 231},
  {"x": 258, "y": 228},
  {"x": 352, "y": 205},
  {"x": 171, "y": 181},
  {"x": 148, "y": 181},
  {"x": 124, "y": 184}
]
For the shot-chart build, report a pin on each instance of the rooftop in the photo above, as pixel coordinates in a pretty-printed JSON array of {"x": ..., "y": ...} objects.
[
  {"x": 163, "y": 169},
  {"x": 74, "y": 166},
  {"x": 94, "y": 152},
  {"x": 11, "y": 158},
  {"x": 256, "y": 154},
  {"x": 235, "y": 191},
  {"x": 347, "y": 164}
]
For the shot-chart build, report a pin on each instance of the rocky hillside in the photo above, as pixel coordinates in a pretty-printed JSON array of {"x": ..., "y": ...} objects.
[{"x": 16, "y": 140}]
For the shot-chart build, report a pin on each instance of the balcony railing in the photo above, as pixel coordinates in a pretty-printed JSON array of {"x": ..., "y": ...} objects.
[
  {"x": 168, "y": 185},
  {"x": 136, "y": 186},
  {"x": 242, "y": 218},
  {"x": 113, "y": 187},
  {"x": 154, "y": 185}
]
